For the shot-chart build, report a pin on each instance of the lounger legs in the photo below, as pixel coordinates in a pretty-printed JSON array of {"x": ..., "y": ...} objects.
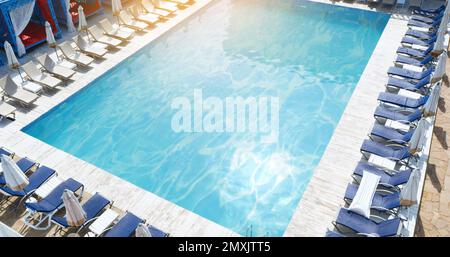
[{"x": 30, "y": 217}]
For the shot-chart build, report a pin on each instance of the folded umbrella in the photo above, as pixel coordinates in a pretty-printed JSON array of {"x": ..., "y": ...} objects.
[
  {"x": 14, "y": 176},
  {"x": 75, "y": 215}
]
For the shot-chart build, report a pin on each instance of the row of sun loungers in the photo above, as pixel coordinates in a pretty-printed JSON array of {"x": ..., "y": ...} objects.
[
  {"x": 42, "y": 199},
  {"x": 44, "y": 74},
  {"x": 411, "y": 3},
  {"x": 375, "y": 196}
]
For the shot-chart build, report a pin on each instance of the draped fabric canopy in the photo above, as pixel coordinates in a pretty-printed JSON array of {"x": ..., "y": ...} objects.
[
  {"x": 20, "y": 17},
  {"x": 22, "y": 22}
]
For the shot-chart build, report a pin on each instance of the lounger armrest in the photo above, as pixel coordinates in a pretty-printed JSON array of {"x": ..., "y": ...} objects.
[
  {"x": 372, "y": 216},
  {"x": 347, "y": 201},
  {"x": 397, "y": 141},
  {"x": 379, "y": 208},
  {"x": 395, "y": 145},
  {"x": 385, "y": 191},
  {"x": 355, "y": 178},
  {"x": 389, "y": 186}
]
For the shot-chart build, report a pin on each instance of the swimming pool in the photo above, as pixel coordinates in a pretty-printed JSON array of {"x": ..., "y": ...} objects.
[{"x": 308, "y": 55}]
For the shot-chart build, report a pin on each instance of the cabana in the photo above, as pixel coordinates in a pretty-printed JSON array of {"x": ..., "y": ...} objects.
[
  {"x": 67, "y": 10},
  {"x": 22, "y": 23}
]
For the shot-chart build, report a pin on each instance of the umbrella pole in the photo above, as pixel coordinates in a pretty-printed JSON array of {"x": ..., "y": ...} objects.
[
  {"x": 56, "y": 52},
  {"x": 87, "y": 33},
  {"x": 20, "y": 74}
]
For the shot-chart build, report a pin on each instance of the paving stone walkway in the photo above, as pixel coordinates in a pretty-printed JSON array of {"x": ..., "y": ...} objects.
[{"x": 434, "y": 214}]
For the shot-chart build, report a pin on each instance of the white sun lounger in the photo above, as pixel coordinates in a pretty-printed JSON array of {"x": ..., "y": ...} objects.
[
  {"x": 99, "y": 36},
  {"x": 150, "y": 8},
  {"x": 7, "y": 110},
  {"x": 89, "y": 49},
  {"x": 102, "y": 223},
  {"x": 11, "y": 90},
  {"x": 362, "y": 202},
  {"x": 149, "y": 18},
  {"x": 129, "y": 21},
  {"x": 35, "y": 75},
  {"x": 168, "y": 6},
  {"x": 51, "y": 67},
  {"x": 116, "y": 32},
  {"x": 73, "y": 56}
]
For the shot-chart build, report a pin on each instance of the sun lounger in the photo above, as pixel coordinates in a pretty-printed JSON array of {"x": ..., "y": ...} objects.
[
  {"x": 73, "y": 56},
  {"x": 120, "y": 33},
  {"x": 92, "y": 50},
  {"x": 35, "y": 75},
  {"x": 125, "y": 227},
  {"x": 99, "y": 36},
  {"x": 397, "y": 114},
  {"x": 168, "y": 6},
  {"x": 395, "y": 152},
  {"x": 401, "y": 59},
  {"x": 408, "y": 40},
  {"x": 424, "y": 35},
  {"x": 388, "y": 178},
  {"x": 7, "y": 111},
  {"x": 156, "y": 232},
  {"x": 43, "y": 209},
  {"x": 407, "y": 84},
  {"x": 150, "y": 8},
  {"x": 425, "y": 19},
  {"x": 25, "y": 164},
  {"x": 391, "y": 134},
  {"x": 149, "y": 18},
  {"x": 39, "y": 177},
  {"x": 415, "y": 53},
  {"x": 402, "y": 101},
  {"x": 409, "y": 74},
  {"x": 102, "y": 223},
  {"x": 11, "y": 90},
  {"x": 368, "y": 227},
  {"x": 127, "y": 20},
  {"x": 419, "y": 24},
  {"x": 430, "y": 12},
  {"x": 51, "y": 67},
  {"x": 388, "y": 201},
  {"x": 92, "y": 207}
]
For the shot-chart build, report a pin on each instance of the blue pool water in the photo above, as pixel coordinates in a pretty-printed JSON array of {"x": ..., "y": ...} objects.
[{"x": 309, "y": 55}]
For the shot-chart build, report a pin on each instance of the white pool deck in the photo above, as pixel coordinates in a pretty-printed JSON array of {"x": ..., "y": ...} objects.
[{"x": 323, "y": 196}]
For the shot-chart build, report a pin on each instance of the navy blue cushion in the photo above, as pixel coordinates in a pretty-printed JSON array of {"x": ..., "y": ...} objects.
[{"x": 125, "y": 227}]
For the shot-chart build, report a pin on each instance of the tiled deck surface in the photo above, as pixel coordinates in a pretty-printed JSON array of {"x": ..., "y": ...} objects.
[{"x": 434, "y": 214}]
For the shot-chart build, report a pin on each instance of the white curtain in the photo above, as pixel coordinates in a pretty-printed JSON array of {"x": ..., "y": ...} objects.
[
  {"x": 69, "y": 21},
  {"x": 20, "y": 17}
]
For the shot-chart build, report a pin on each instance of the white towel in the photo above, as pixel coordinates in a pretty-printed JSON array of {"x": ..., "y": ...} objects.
[{"x": 363, "y": 199}]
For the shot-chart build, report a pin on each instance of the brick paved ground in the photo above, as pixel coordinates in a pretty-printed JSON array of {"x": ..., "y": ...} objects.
[{"x": 434, "y": 215}]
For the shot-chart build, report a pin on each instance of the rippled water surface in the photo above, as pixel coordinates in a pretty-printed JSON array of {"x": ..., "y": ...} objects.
[{"x": 309, "y": 55}]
